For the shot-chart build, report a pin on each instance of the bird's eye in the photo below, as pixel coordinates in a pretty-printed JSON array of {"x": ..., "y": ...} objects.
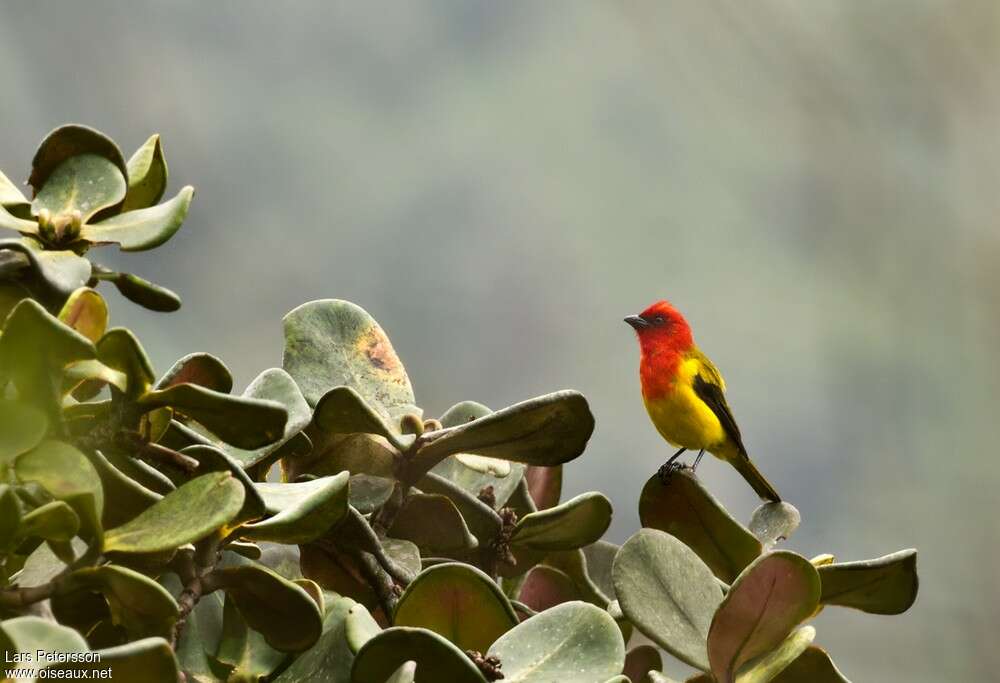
[{"x": 659, "y": 320}]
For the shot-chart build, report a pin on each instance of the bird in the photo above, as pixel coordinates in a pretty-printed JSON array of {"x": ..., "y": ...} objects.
[{"x": 684, "y": 394}]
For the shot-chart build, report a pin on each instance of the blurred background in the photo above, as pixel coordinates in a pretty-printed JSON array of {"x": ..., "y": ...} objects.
[{"x": 816, "y": 185}]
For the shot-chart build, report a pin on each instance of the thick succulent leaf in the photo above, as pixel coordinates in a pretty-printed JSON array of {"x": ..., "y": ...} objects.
[
  {"x": 368, "y": 493},
  {"x": 54, "y": 521},
  {"x": 334, "y": 453},
  {"x": 67, "y": 475},
  {"x": 147, "y": 175},
  {"x": 436, "y": 658},
  {"x": 544, "y": 485},
  {"x": 211, "y": 459},
  {"x": 68, "y": 141},
  {"x": 59, "y": 272},
  {"x": 26, "y": 635},
  {"x": 886, "y": 585},
  {"x": 546, "y": 587},
  {"x": 813, "y": 665},
  {"x": 129, "y": 496},
  {"x": 473, "y": 481},
  {"x": 774, "y": 522},
  {"x": 406, "y": 673},
  {"x": 22, "y": 427},
  {"x": 462, "y": 413},
  {"x": 337, "y": 571},
  {"x": 684, "y": 509},
  {"x": 147, "y": 294},
  {"x": 600, "y": 557},
  {"x": 86, "y": 312},
  {"x": 10, "y": 519},
  {"x": 548, "y": 430},
  {"x": 282, "y": 611},
  {"x": 185, "y": 515},
  {"x": 574, "y": 641},
  {"x": 770, "y": 598},
  {"x": 359, "y": 627},
  {"x": 434, "y": 524},
  {"x": 342, "y": 410},
  {"x": 578, "y": 522},
  {"x": 300, "y": 513},
  {"x": 668, "y": 592},
  {"x": 150, "y": 660},
  {"x": 330, "y": 659},
  {"x": 331, "y": 343},
  {"x": 10, "y": 195},
  {"x": 87, "y": 183},
  {"x": 21, "y": 225},
  {"x": 34, "y": 348},
  {"x": 199, "y": 639},
  {"x": 139, "y": 604},
  {"x": 144, "y": 474},
  {"x": 202, "y": 369},
  {"x": 121, "y": 350},
  {"x": 575, "y": 565},
  {"x": 459, "y": 602},
  {"x": 244, "y": 652},
  {"x": 482, "y": 520},
  {"x": 764, "y": 668},
  {"x": 142, "y": 229},
  {"x": 640, "y": 660},
  {"x": 247, "y": 423},
  {"x": 85, "y": 378}
]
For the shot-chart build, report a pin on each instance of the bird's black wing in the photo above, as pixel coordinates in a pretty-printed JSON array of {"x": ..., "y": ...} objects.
[{"x": 708, "y": 385}]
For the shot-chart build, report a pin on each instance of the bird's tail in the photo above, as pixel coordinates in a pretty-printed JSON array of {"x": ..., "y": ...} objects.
[{"x": 753, "y": 476}]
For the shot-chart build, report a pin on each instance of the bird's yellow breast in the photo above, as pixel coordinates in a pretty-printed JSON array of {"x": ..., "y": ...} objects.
[{"x": 681, "y": 417}]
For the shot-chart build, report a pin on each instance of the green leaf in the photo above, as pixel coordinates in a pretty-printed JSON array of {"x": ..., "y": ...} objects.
[
  {"x": 66, "y": 474},
  {"x": 473, "y": 481},
  {"x": 437, "y": 659},
  {"x": 149, "y": 660},
  {"x": 578, "y": 522},
  {"x": 12, "y": 222},
  {"x": 546, "y": 587},
  {"x": 767, "y": 666},
  {"x": 139, "y": 604},
  {"x": 300, "y": 513},
  {"x": 482, "y": 520},
  {"x": 331, "y": 343},
  {"x": 406, "y": 673},
  {"x": 147, "y": 294},
  {"x": 243, "y": 422},
  {"x": 600, "y": 558},
  {"x": 544, "y": 485},
  {"x": 640, "y": 660},
  {"x": 9, "y": 194},
  {"x": 129, "y": 496},
  {"x": 330, "y": 659},
  {"x": 188, "y": 514},
  {"x": 360, "y": 627},
  {"x": 55, "y": 521},
  {"x": 434, "y": 524},
  {"x": 87, "y": 183},
  {"x": 774, "y": 522},
  {"x": 213, "y": 460},
  {"x": 86, "y": 312},
  {"x": 334, "y": 453},
  {"x": 66, "y": 142},
  {"x": 10, "y": 519},
  {"x": 813, "y": 665},
  {"x": 548, "y": 430},
  {"x": 575, "y": 565},
  {"x": 574, "y": 641},
  {"x": 282, "y": 611},
  {"x": 342, "y": 410},
  {"x": 684, "y": 509},
  {"x": 244, "y": 651},
  {"x": 147, "y": 176},
  {"x": 27, "y": 635},
  {"x": 770, "y": 598},
  {"x": 200, "y": 636},
  {"x": 142, "y": 229},
  {"x": 22, "y": 427},
  {"x": 459, "y": 602},
  {"x": 119, "y": 349},
  {"x": 367, "y": 493},
  {"x": 274, "y": 386},
  {"x": 886, "y": 585},
  {"x": 202, "y": 369},
  {"x": 668, "y": 592}
]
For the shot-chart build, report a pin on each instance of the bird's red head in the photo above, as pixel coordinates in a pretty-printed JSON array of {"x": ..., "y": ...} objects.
[{"x": 661, "y": 329}]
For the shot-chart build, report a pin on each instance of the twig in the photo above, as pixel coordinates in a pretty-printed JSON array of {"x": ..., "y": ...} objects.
[{"x": 193, "y": 569}]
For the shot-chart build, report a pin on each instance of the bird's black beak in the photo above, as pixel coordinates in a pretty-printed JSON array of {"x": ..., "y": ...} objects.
[{"x": 637, "y": 322}]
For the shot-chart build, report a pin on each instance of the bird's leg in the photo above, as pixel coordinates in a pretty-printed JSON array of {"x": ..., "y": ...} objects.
[
  {"x": 697, "y": 460},
  {"x": 670, "y": 466}
]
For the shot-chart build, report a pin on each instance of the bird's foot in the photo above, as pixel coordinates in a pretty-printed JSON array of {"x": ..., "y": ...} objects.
[{"x": 667, "y": 470}]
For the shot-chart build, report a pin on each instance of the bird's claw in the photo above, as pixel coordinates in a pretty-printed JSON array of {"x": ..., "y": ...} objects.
[{"x": 667, "y": 470}]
